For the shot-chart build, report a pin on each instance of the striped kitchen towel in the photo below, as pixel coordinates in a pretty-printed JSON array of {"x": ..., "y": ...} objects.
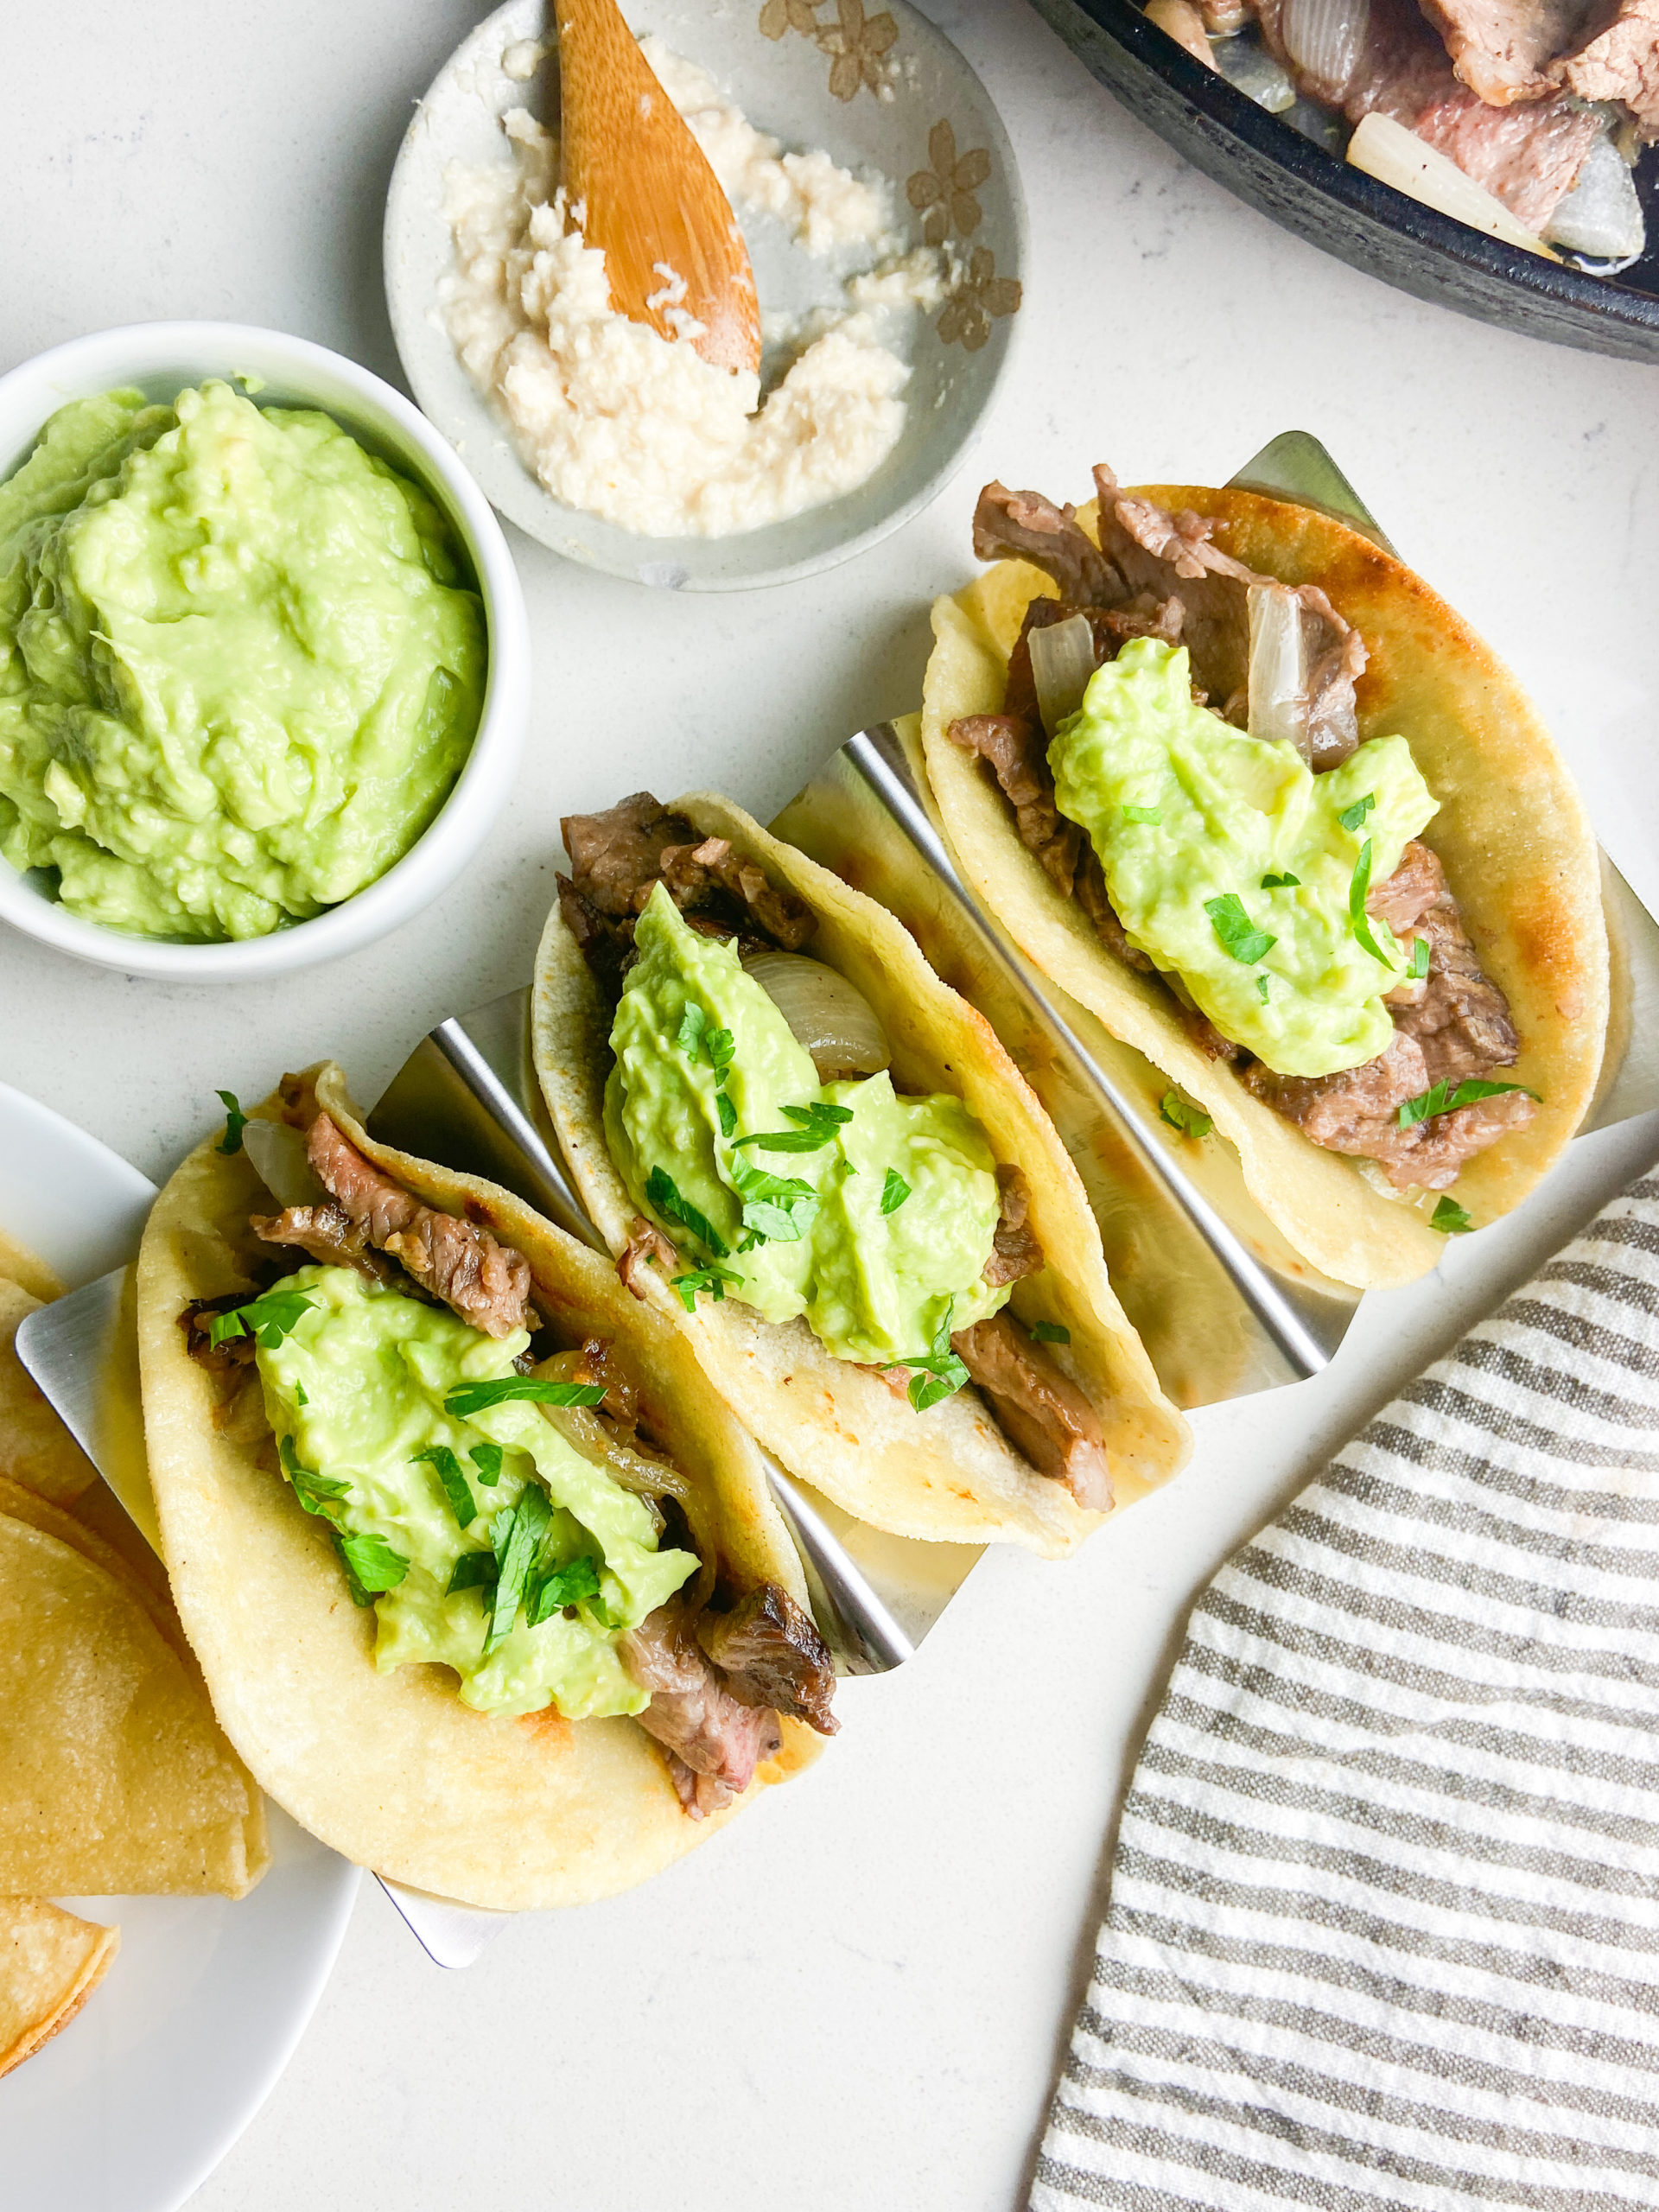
[{"x": 1384, "y": 1917}]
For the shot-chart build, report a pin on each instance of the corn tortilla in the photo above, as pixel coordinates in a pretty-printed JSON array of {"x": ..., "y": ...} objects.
[{"x": 50, "y": 1963}]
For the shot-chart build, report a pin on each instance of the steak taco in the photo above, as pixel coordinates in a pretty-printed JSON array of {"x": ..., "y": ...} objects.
[
  {"x": 807, "y": 1148},
  {"x": 1240, "y": 784},
  {"x": 485, "y": 1581}
]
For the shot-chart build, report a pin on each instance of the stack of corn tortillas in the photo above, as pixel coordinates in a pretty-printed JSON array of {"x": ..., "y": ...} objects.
[{"x": 114, "y": 1777}]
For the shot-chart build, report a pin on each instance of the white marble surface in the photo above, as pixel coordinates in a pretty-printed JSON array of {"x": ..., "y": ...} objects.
[{"x": 855, "y": 1997}]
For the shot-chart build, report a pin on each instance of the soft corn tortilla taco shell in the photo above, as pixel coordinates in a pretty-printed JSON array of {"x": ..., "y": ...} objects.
[
  {"x": 35, "y": 1448},
  {"x": 949, "y": 1474},
  {"x": 1512, "y": 832},
  {"x": 114, "y": 1777},
  {"x": 391, "y": 1769},
  {"x": 19, "y": 1264},
  {"x": 50, "y": 1963}
]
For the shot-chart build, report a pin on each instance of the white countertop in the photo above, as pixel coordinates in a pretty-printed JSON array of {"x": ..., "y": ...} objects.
[{"x": 855, "y": 1996}]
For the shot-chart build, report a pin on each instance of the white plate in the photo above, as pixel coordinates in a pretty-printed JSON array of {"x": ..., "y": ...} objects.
[
  {"x": 131, "y": 2108},
  {"x": 783, "y": 84}
]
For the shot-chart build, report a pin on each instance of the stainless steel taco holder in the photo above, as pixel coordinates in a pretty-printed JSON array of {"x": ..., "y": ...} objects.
[{"x": 1223, "y": 1303}]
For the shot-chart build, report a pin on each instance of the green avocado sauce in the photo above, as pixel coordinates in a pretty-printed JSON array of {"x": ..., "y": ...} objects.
[
  {"x": 356, "y": 1390},
  {"x": 1192, "y": 820},
  {"x": 703, "y": 1060},
  {"x": 240, "y": 669}
]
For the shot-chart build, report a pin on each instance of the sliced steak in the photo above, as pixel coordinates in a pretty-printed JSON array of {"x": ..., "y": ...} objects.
[
  {"x": 647, "y": 1244},
  {"x": 717, "y": 1740},
  {"x": 1014, "y": 746},
  {"x": 329, "y": 1235},
  {"x": 616, "y": 857},
  {"x": 1092, "y": 897},
  {"x": 771, "y": 1655},
  {"x": 1040, "y": 1410},
  {"x": 1528, "y": 156},
  {"x": 1015, "y": 1250},
  {"x": 1402, "y": 898},
  {"x": 1621, "y": 62},
  {"x": 1502, "y": 49},
  {"x": 220, "y": 1359},
  {"x": 604, "y": 942},
  {"x": 483, "y": 1280},
  {"x": 1461, "y": 1023},
  {"x": 691, "y": 872},
  {"x": 1025, "y": 526}
]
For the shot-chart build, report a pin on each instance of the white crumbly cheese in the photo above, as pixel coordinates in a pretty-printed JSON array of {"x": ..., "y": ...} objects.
[{"x": 640, "y": 429}]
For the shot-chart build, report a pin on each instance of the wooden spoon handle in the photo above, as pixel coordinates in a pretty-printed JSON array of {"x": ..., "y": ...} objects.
[{"x": 647, "y": 195}]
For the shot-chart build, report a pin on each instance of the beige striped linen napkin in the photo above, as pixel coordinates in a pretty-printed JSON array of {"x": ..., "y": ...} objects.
[{"x": 1383, "y": 1926}]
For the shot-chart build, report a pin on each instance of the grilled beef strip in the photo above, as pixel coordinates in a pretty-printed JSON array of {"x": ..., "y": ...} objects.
[
  {"x": 483, "y": 1280},
  {"x": 1025, "y": 526},
  {"x": 221, "y": 1359},
  {"x": 1621, "y": 62},
  {"x": 1040, "y": 1408},
  {"x": 647, "y": 1244},
  {"x": 1014, "y": 1250},
  {"x": 770, "y": 1654},
  {"x": 714, "y": 1741}
]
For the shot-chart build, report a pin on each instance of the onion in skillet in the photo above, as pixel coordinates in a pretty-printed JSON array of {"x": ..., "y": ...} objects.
[
  {"x": 826, "y": 1013},
  {"x": 1324, "y": 40},
  {"x": 279, "y": 1161},
  {"x": 1061, "y": 662}
]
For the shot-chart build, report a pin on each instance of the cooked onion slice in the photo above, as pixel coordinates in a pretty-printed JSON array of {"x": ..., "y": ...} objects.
[
  {"x": 826, "y": 1013},
  {"x": 1601, "y": 216},
  {"x": 1182, "y": 20},
  {"x": 1247, "y": 64},
  {"x": 1061, "y": 662},
  {"x": 279, "y": 1161},
  {"x": 1278, "y": 679},
  {"x": 1324, "y": 40},
  {"x": 1387, "y": 151}
]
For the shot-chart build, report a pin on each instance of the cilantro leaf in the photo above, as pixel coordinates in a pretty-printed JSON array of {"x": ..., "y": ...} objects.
[
  {"x": 486, "y": 1458},
  {"x": 1191, "y": 1121},
  {"x": 1351, "y": 816},
  {"x": 373, "y": 1561},
  {"x": 940, "y": 1374},
  {"x": 777, "y": 1209},
  {"x": 1450, "y": 1218},
  {"x": 472, "y": 1571},
  {"x": 693, "y": 1022},
  {"x": 360, "y": 1595},
  {"x": 1261, "y": 989},
  {"x": 318, "y": 1494},
  {"x": 447, "y": 1468},
  {"x": 516, "y": 1533},
  {"x": 727, "y": 1113},
  {"x": 1420, "y": 955},
  {"x": 663, "y": 1194},
  {"x": 1444, "y": 1098},
  {"x": 235, "y": 1122},
  {"x": 895, "y": 1192},
  {"x": 1358, "y": 920},
  {"x": 1280, "y": 882},
  {"x": 561, "y": 1586},
  {"x": 821, "y": 1109},
  {"x": 1239, "y": 934},
  {"x": 719, "y": 1045},
  {"x": 1152, "y": 814},
  {"x": 818, "y": 1123},
  {"x": 1050, "y": 1332},
  {"x": 469, "y": 1398},
  {"x": 300, "y": 1398},
  {"x": 268, "y": 1318},
  {"x": 712, "y": 1279}
]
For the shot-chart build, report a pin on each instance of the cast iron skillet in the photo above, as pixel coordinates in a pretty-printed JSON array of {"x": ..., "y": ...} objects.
[{"x": 1367, "y": 224}]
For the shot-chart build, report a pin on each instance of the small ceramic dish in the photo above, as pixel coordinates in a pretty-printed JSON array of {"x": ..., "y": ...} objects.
[
  {"x": 881, "y": 91},
  {"x": 161, "y": 359}
]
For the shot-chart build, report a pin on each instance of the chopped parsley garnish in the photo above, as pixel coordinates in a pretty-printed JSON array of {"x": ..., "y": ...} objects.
[
  {"x": 664, "y": 1193},
  {"x": 719, "y": 1045},
  {"x": 268, "y": 1318},
  {"x": 1358, "y": 919},
  {"x": 1239, "y": 934},
  {"x": 1281, "y": 882},
  {"x": 1445, "y": 1098},
  {"x": 712, "y": 1279},
  {"x": 516, "y": 1533},
  {"x": 728, "y": 1114},
  {"x": 360, "y": 1595},
  {"x": 319, "y": 1493},
  {"x": 1191, "y": 1121},
  {"x": 818, "y": 1123},
  {"x": 1419, "y": 966},
  {"x": 235, "y": 1122},
  {"x": 1150, "y": 814},
  {"x": 1450, "y": 1218},
  {"x": 940, "y": 1374},
  {"x": 372, "y": 1561},
  {"x": 693, "y": 1022},
  {"x": 300, "y": 1398},
  {"x": 895, "y": 1192},
  {"x": 777, "y": 1209},
  {"x": 469, "y": 1398},
  {"x": 447, "y": 1468},
  {"x": 1261, "y": 989},
  {"x": 472, "y": 1571},
  {"x": 561, "y": 1586},
  {"x": 1351, "y": 816},
  {"x": 486, "y": 1458},
  {"x": 1050, "y": 1332}
]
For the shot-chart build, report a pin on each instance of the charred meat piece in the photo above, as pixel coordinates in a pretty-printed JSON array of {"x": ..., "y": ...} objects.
[
  {"x": 1171, "y": 557},
  {"x": 770, "y": 1654},
  {"x": 603, "y": 942},
  {"x": 1461, "y": 1023},
  {"x": 1092, "y": 897},
  {"x": 485, "y": 1281},
  {"x": 222, "y": 1358},
  {"x": 1025, "y": 526},
  {"x": 692, "y": 871},
  {"x": 1015, "y": 1250},
  {"x": 1621, "y": 62},
  {"x": 647, "y": 1244},
  {"x": 1503, "y": 51},
  {"x": 1040, "y": 1410},
  {"x": 1017, "y": 752},
  {"x": 616, "y": 857},
  {"x": 329, "y": 1235},
  {"x": 693, "y": 1715},
  {"x": 1402, "y": 898}
]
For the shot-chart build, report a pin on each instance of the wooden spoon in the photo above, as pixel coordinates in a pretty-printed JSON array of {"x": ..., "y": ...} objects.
[{"x": 650, "y": 199}]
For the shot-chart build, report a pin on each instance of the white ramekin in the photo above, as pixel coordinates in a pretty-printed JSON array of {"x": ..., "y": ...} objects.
[{"x": 161, "y": 359}]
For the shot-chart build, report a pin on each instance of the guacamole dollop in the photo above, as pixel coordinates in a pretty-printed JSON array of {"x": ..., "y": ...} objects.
[
  {"x": 875, "y": 1216},
  {"x": 240, "y": 668},
  {"x": 485, "y": 1542},
  {"x": 1236, "y": 867}
]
